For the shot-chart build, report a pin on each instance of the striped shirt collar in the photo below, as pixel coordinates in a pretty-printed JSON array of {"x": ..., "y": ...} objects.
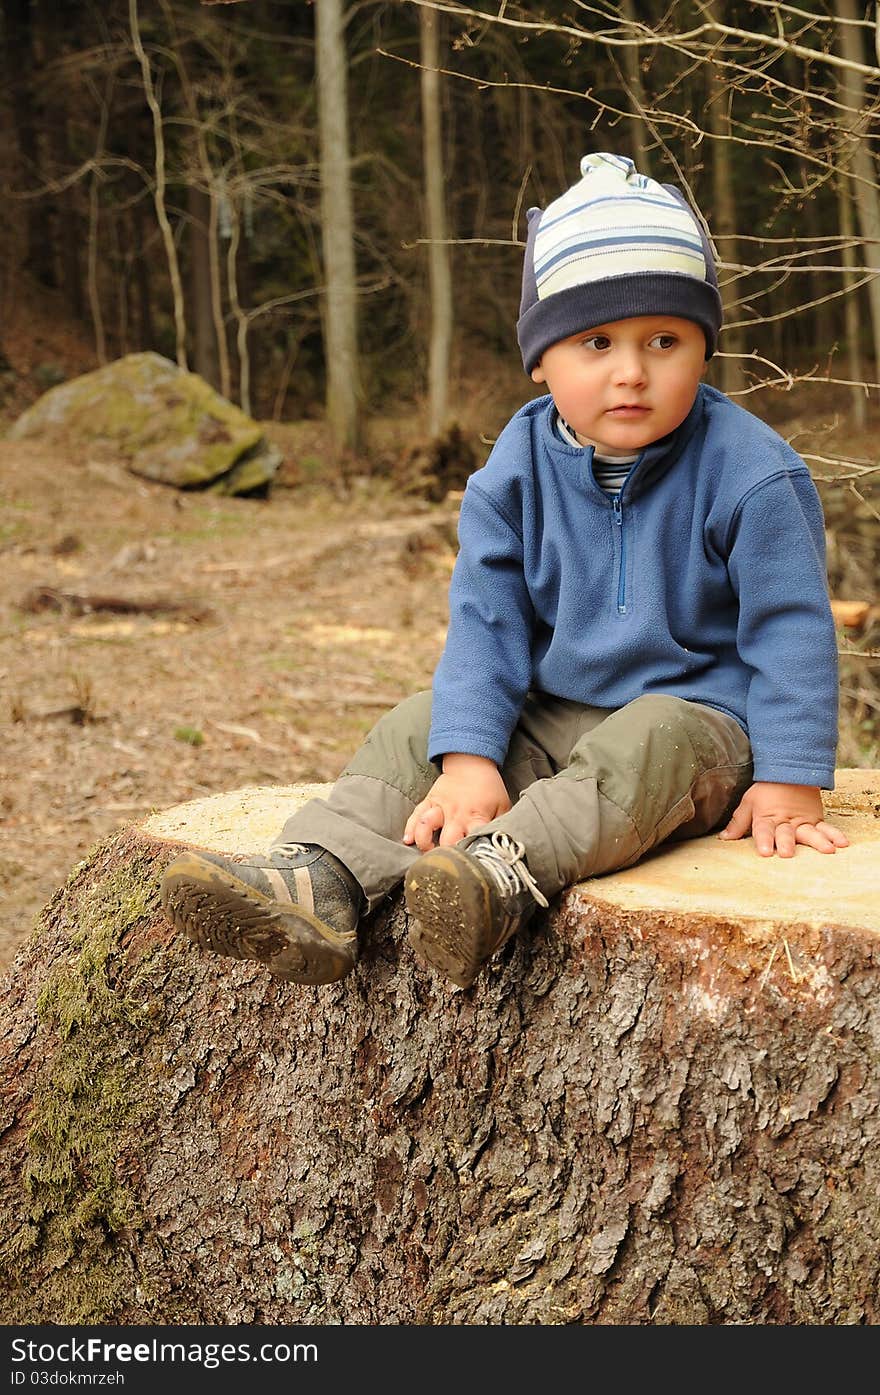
[{"x": 571, "y": 439}]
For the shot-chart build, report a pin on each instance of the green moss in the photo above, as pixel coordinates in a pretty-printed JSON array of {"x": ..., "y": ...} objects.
[
  {"x": 283, "y": 663},
  {"x": 251, "y": 471},
  {"x": 14, "y": 529},
  {"x": 228, "y": 527},
  {"x": 191, "y": 736},
  {"x": 90, "y": 1097}
]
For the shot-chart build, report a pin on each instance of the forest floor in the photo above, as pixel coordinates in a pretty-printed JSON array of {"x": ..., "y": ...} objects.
[
  {"x": 269, "y": 635},
  {"x": 293, "y": 623}
]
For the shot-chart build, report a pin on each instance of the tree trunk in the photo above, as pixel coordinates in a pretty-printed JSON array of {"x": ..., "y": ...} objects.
[
  {"x": 865, "y": 193},
  {"x": 723, "y": 219},
  {"x": 19, "y": 66},
  {"x": 159, "y": 185},
  {"x": 337, "y": 228},
  {"x": 852, "y": 318},
  {"x": 632, "y": 68},
  {"x": 819, "y": 325},
  {"x": 440, "y": 274},
  {"x": 661, "y": 1105},
  {"x": 212, "y": 349},
  {"x": 93, "y": 239},
  {"x": 59, "y": 39},
  {"x": 206, "y": 362},
  {"x": 143, "y": 281},
  {"x": 235, "y": 261}
]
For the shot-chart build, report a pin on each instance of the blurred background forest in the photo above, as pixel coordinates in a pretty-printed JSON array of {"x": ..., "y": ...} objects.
[
  {"x": 185, "y": 176},
  {"x": 320, "y": 208}
]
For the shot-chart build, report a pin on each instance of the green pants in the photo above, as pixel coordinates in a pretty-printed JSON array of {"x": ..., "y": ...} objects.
[{"x": 592, "y": 789}]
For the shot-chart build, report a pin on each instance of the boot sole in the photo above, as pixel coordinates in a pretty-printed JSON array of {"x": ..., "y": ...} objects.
[
  {"x": 450, "y": 910},
  {"x": 218, "y": 912}
]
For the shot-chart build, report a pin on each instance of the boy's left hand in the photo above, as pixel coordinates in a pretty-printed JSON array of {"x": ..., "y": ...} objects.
[{"x": 781, "y": 816}]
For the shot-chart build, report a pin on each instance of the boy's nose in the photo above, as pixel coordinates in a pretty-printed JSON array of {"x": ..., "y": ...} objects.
[{"x": 629, "y": 368}]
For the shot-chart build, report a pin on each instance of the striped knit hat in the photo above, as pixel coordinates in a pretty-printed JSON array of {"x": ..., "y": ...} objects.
[{"x": 614, "y": 245}]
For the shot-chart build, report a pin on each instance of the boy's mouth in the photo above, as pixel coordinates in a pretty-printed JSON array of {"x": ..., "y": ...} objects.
[{"x": 628, "y": 411}]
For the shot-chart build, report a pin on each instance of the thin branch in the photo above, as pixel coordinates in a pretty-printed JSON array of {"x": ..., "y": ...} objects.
[
  {"x": 159, "y": 191},
  {"x": 670, "y": 118},
  {"x": 651, "y": 40}
]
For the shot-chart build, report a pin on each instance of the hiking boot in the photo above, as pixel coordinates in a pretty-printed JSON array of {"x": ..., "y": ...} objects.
[
  {"x": 264, "y": 908},
  {"x": 466, "y": 903}
]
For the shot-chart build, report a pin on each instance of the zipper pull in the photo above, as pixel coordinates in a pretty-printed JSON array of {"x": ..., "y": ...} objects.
[{"x": 618, "y": 510}]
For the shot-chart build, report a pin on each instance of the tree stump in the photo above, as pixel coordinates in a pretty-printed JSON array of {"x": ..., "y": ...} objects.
[{"x": 660, "y": 1105}]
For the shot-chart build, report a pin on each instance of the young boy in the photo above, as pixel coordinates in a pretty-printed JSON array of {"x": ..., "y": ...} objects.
[{"x": 640, "y": 642}]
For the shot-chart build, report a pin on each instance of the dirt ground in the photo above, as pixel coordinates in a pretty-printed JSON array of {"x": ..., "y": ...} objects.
[{"x": 303, "y": 617}]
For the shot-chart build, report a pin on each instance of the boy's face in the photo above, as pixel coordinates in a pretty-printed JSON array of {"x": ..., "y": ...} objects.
[{"x": 622, "y": 385}]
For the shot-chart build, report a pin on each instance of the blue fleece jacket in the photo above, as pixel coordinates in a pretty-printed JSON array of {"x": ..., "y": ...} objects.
[{"x": 705, "y": 579}]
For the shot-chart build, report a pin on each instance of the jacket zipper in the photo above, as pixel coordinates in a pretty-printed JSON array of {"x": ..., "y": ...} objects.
[{"x": 621, "y": 575}]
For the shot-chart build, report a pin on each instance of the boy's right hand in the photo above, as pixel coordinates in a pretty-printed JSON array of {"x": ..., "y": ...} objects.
[{"x": 468, "y": 794}]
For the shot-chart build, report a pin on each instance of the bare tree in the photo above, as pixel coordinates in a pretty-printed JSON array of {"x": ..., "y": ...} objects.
[
  {"x": 633, "y": 77},
  {"x": 440, "y": 275},
  {"x": 159, "y": 188},
  {"x": 19, "y": 74},
  {"x": 241, "y": 318},
  {"x": 205, "y": 356},
  {"x": 851, "y": 308},
  {"x": 859, "y": 156},
  {"x": 212, "y": 350},
  {"x": 94, "y": 217},
  {"x": 337, "y": 218},
  {"x": 718, "y": 118}
]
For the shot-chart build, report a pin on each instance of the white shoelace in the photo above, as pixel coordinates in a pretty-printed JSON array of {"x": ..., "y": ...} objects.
[
  {"x": 289, "y": 849},
  {"x": 504, "y": 858}
]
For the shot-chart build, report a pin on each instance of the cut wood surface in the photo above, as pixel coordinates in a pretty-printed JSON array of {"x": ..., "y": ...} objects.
[
  {"x": 853, "y": 615},
  {"x": 702, "y": 876},
  {"x": 660, "y": 1105}
]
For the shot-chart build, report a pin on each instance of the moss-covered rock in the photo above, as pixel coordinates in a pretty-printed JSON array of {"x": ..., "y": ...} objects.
[{"x": 167, "y": 425}]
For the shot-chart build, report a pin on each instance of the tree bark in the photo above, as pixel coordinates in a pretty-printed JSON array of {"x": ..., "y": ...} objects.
[
  {"x": 337, "y": 228},
  {"x": 63, "y": 206},
  {"x": 632, "y": 68},
  {"x": 160, "y": 185},
  {"x": 212, "y": 348},
  {"x": 206, "y": 359},
  {"x": 661, "y": 1105},
  {"x": 724, "y": 215},
  {"x": 439, "y": 270},
  {"x": 852, "y": 319},
  {"x": 19, "y": 67},
  {"x": 143, "y": 281},
  {"x": 861, "y": 161}
]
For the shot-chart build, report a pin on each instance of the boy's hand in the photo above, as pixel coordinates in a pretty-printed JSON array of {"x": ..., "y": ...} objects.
[
  {"x": 781, "y": 816},
  {"x": 468, "y": 794}
]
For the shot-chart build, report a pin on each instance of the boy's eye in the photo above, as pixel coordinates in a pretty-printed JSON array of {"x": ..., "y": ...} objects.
[
  {"x": 597, "y": 341},
  {"x": 663, "y": 341}
]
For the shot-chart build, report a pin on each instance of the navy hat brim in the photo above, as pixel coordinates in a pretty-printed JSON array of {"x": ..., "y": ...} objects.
[{"x": 623, "y": 297}]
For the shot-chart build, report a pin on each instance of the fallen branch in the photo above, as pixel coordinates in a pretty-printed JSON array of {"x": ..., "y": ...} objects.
[
  {"x": 323, "y": 699},
  {"x": 77, "y": 603},
  {"x": 76, "y": 713}
]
